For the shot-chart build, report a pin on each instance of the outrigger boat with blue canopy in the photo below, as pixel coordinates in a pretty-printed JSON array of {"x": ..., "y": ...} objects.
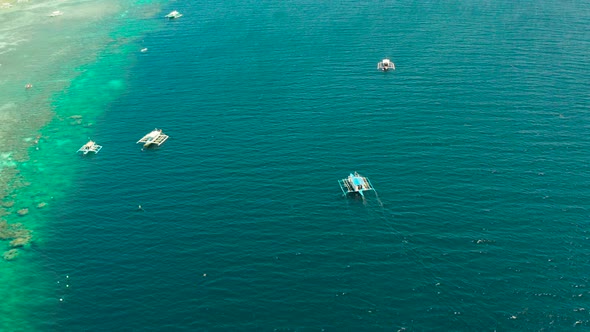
[{"x": 355, "y": 184}]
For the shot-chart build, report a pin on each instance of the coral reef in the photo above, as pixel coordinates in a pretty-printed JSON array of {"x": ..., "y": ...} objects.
[
  {"x": 20, "y": 242},
  {"x": 8, "y": 204},
  {"x": 15, "y": 232},
  {"x": 23, "y": 212},
  {"x": 18, "y": 235},
  {"x": 10, "y": 254},
  {"x": 41, "y": 205},
  {"x": 76, "y": 120}
]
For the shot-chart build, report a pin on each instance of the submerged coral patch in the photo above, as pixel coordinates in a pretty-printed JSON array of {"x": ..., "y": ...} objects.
[
  {"x": 13, "y": 231},
  {"x": 10, "y": 254},
  {"x": 23, "y": 212}
]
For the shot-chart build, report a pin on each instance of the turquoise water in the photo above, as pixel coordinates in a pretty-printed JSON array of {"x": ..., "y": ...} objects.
[{"x": 476, "y": 145}]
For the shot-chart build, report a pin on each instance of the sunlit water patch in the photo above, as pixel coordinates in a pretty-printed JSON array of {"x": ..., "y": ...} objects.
[{"x": 75, "y": 64}]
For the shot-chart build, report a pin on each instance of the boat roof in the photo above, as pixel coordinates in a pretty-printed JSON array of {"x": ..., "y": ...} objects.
[{"x": 357, "y": 181}]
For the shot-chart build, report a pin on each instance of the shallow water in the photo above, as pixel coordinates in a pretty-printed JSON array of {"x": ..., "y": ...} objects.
[{"x": 37, "y": 164}]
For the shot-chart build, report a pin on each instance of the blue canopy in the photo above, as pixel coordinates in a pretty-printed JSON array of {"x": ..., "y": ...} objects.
[{"x": 357, "y": 181}]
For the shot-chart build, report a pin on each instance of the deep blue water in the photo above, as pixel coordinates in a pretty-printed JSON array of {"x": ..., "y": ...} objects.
[{"x": 477, "y": 145}]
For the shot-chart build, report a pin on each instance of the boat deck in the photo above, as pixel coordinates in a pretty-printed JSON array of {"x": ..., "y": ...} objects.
[
  {"x": 355, "y": 183},
  {"x": 173, "y": 15},
  {"x": 156, "y": 137},
  {"x": 91, "y": 146},
  {"x": 386, "y": 65}
]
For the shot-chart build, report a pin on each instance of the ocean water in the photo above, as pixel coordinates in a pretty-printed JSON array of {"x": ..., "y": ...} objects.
[{"x": 476, "y": 145}]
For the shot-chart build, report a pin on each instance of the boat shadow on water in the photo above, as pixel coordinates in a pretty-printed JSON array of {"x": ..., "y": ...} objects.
[{"x": 366, "y": 199}]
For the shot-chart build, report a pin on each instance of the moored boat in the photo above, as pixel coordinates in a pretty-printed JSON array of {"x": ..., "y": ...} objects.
[
  {"x": 385, "y": 65},
  {"x": 173, "y": 14},
  {"x": 91, "y": 146},
  {"x": 355, "y": 184},
  {"x": 156, "y": 137}
]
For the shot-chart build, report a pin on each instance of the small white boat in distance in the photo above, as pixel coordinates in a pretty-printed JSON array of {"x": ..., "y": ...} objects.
[
  {"x": 143, "y": 50},
  {"x": 91, "y": 146},
  {"x": 173, "y": 14},
  {"x": 385, "y": 65},
  {"x": 156, "y": 137},
  {"x": 56, "y": 13}
]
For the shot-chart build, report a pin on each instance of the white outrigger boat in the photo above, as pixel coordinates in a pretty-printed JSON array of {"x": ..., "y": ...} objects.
[
  {"x": 355, "y": 184},
  {"x": 156, "y": 137},
  {"x": 385, "y": 65},
  {"x": 173, "y": 14},
  {"x": 91, "y": 146},
  {"x": 56, "y": 13}
]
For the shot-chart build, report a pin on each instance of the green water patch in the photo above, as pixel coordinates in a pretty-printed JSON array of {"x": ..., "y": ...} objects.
[
  {"x": 51, "y": 165},
  {"x": 35, "y": 182}
]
